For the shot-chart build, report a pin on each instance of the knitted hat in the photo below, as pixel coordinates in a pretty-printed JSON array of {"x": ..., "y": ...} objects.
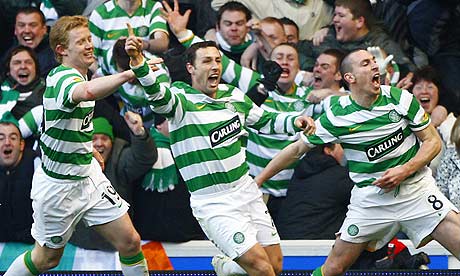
[
  {"x": 102, "y": 126},
  {"x": 9, "y": 118}
]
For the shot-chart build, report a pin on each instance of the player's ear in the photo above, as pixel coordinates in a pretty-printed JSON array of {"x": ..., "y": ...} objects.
[
  {"x": 189, "y": 67},
  {"x": 61, "y": 50},
  {"x": 349, "y": 77}
]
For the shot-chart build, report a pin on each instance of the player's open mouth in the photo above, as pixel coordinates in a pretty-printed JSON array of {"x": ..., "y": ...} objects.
[
  {"x": 214, "y": 79},
  {"x": 7, "y": 152},
  {"x": 376, "y": 79}
]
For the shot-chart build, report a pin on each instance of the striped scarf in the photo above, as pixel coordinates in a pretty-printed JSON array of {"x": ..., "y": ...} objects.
[
  {"x": 163, "y": 175},
  {"x": 233, "y": 49}
]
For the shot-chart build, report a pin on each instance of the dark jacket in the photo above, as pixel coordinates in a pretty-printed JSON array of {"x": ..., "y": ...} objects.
[
  {"x": 316, "y": 200},
  {"x": 15, "y": 203},
  {"x": 127, "y": 164}
]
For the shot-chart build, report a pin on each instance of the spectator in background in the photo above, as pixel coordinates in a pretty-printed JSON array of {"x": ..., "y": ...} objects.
[
  {"x": 292, "y": 35},
  {"x": 7, "y": 18},
  {"x": 125, "y": 164},
  {"x": 232, "y": 32},
  {"x": 30, "y": 30},
  {"x": 354, "y": 27},
  {"x": 434, "y": 27},
  {"x": 22, "y": 91},
  {"x": 108, "y": 24},
  {"x": 448, "y": 175},
  {"x": 162, "y": 203},
  {"x": 318, "y": 196},
  {"x": 427, "y": 89},
  {"x": 17, "y": 166},
  {"x": 270, "y": 33},
  {"x": 309, "y": 15}
]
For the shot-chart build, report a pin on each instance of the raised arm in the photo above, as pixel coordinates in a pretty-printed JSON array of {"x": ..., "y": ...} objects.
[
  {"x": 177, "y": 22},
  {"x": 156, "y": 92}
]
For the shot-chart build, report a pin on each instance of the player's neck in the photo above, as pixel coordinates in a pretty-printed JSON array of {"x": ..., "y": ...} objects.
[
  {"x": 82, "y": 70},
  {"x": 364, "y": 100}
]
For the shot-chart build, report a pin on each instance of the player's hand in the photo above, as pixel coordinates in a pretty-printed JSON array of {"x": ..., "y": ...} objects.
[
  {"x": 99, "y": 159},
  {"x": 438, "y": 115},
  {"x": 133, "y": 46},
  {"x": 176, "y": 21},
  {"x": 307, "y": 78},
  {"x": 382, "y": 59},
  {"x": 258, "y": 181},
  {"x": 318, "y": 95},
  {"x": 318, "y": 36},
  {"x": 153, "y": 63},
  {"x": 391, "y": 178},
  {"x": 134, "y": 122},
  {"x": 307, "y": 124}
]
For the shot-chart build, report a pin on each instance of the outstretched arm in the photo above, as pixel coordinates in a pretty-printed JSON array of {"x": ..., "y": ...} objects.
[
  {"x": 99, "y": 88},
  {"x": 282, "y": 160}
]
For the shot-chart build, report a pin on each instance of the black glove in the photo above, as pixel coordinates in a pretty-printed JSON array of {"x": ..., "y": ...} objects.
[{"x": 271, "y": 73}]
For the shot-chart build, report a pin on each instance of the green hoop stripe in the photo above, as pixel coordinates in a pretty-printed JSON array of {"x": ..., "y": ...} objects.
[
  {"x": 29, "y": 264},
  {"x": 133, "y": 259}
]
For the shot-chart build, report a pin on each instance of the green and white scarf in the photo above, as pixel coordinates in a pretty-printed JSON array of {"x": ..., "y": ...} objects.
[
  {"x": 233, "y": 49},
  {"x": 163, "y": 175}
]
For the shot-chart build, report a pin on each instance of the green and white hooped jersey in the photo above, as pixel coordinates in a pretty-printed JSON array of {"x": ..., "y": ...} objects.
[
  {"x": 205, "y": 132},
  {"x": 374, "y": 139},
  {"x": 132, "y": 94},
  {"x": 107, "y": 24},
  {"x": 261, "y": 148},
  {"x": 66, "y": 141}
]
